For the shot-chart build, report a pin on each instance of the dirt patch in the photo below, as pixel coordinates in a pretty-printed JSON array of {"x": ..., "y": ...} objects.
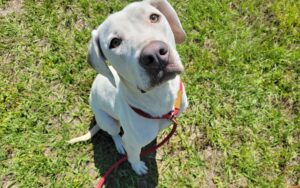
[
  {"x": 14, "y": 6},
  {"x": 294, "y": 175},
  {"x": 286, "y": 102},
  {"x": 8, "y": 58},
  {"x": 210, "y": 45},
  {"x": 8, "y": 181},
  {"x": 81, "y": 24},
  {"x": 213, "y": 158},
  {"x": 44, "y": 44}
]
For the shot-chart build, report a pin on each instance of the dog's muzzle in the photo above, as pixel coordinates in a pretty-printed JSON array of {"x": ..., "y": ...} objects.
[{"x": 159, "y": 63}]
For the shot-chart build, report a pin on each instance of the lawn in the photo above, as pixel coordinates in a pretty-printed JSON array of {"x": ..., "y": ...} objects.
[{"x": 242, "y": 76}]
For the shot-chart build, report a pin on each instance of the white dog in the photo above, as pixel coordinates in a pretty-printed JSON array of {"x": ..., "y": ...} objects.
[{"x": 140, "y": 43}]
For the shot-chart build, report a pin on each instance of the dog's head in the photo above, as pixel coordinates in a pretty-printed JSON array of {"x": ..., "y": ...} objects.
[{"x": 140, "y": 43}]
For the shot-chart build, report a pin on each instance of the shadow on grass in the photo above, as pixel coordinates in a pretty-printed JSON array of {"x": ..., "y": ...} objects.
[{"x": 105, "y": 155}]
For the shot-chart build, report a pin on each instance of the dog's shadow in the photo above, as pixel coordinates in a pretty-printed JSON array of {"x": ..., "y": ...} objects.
[{"x": 105, "y": 155}]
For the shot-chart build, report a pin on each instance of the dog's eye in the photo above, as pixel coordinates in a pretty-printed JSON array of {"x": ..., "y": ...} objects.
[
  {"x": 115, "y": 42},
  {"x": 154, "y": 18}
]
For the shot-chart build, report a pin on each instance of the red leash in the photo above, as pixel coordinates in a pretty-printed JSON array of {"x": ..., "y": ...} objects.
[{"x": 143, "y": 153}]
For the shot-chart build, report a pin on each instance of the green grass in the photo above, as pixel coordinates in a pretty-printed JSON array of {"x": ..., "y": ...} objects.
[{"x": 242, "y": 128}]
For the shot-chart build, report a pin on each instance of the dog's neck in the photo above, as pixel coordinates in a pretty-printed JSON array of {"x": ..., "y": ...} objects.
[{"x": 157, "y": 101}]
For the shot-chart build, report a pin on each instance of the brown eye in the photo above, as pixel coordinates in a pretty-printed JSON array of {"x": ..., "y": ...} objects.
[
  {"x": 154, "y": 18},
  {"x": 115, "y": 42}
]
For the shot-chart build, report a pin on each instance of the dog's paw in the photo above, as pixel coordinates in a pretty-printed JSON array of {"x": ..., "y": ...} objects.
[
  {"x": 119, "y": 144},
  {"x": 140, "y": 168}
]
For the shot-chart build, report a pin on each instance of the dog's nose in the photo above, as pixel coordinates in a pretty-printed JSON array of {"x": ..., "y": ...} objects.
[{"x": 155, "y": 54}]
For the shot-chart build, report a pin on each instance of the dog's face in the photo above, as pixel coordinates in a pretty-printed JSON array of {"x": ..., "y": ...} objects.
[{"x": 140, "y": 43}]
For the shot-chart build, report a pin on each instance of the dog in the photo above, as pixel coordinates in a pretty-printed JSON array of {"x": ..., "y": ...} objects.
[{"x": 140, "y": 43}]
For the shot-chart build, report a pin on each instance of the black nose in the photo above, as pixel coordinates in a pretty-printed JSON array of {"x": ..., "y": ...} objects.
[{"x": 155, "y": 54}]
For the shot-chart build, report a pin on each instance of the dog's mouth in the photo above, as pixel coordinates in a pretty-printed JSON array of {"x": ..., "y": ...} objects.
[
  {"x": 161, "y": 75},
  {"x": 164, "y": 74}
]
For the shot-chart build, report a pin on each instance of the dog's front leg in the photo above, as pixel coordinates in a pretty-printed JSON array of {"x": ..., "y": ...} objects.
[{"x": 133, "y": 153}]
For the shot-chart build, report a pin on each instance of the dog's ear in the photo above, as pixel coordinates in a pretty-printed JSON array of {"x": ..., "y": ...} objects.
[
  {"x": 96, "y": 58},
  {"x": 164, "y": 7}
]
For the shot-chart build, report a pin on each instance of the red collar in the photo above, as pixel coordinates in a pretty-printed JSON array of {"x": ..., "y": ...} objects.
[{"x": 168, "y": 115}]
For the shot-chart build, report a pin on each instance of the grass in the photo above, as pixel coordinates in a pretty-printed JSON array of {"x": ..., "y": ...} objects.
[{"x": 242, "y": 78}]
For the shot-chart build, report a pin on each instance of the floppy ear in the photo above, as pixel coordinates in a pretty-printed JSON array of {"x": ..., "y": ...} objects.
[
  {"x": 96, "y": 58},
  {"x": 167, "y": 10}
]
